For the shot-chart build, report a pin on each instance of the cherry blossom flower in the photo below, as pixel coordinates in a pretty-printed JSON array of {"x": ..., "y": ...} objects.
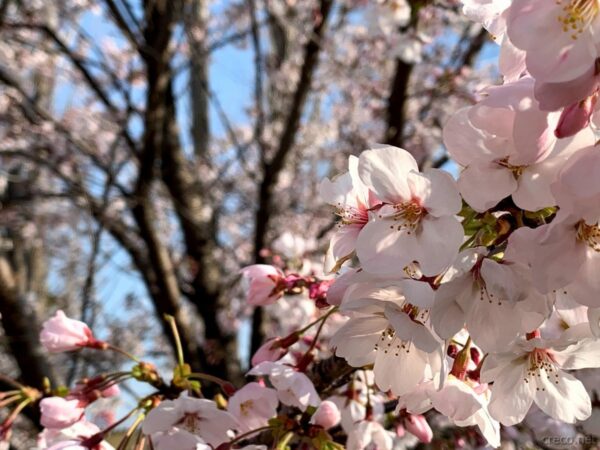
[
  {"x": 391, "y": 333},
  {"x": 59, "y": 413},
  {"x": 579, "y": 91},
  {"x": 188, "y": 421},
  {"x": 327, "y": 415},
  {"x": 71, "y": 438},
  {"x": 368, "y": 432},
  {"x": 354, "y": 398},
  {"x": 495, "y": 300},
  {"x": 352, "y": 202},
  {"x": 535, "y": 370},
  {"x": 179, "y": 439},
  {"x": 61, "y": 334},
  {"x": 416, "y": 221},
  {"x": 464, "y": 402},
  {"x": 264, "y": 284},
  {"x": 489, "y": 13},
  {"x": 253, "y": 405},
  {"x": 492, "y": 15},
  {"x": 293, "y": 388},
  {"x": 507, "y": 147},
  {"x": 558, "y": 37},
  {"x": 564, "y": 254}
]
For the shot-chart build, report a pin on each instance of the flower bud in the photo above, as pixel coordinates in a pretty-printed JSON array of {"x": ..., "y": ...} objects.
[
  {"x": 327, "y": 415},
  {"x": 417, "y": 426},
  {"x": 265, "y": 284},
  {"x": 576, "y": 117},
  {"x": 61, "y": 334},
  {"x": 269, "y": 351}
]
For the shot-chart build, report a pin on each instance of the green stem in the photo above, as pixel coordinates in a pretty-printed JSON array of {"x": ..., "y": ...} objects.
[
  {"x": 15, "y": 412},
  {"x": 282, "y": 444},
  {"x": 207, "y": 377},
  {"x": 125, "y": 441},
  {"x": 11, "y": 399},
  {"x": 123, "y": 352},
  {"x": 12, "y": 382},
  {"x": 175, "y": 332}
]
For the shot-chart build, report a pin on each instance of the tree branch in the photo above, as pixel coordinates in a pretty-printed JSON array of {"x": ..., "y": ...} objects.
[{"x": 272, "y": 169}]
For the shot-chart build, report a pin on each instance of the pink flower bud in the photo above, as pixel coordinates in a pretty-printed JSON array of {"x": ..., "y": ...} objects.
[
  {"x": 327, "y": 415},
  {"x": 318, "y": 292},
  {"x": 269, "y": 351},
  {"x": 576, "y": 117},
  {"x": 61, "y": 334},
  {"x": 264, "y": 284},
  {"x": 59, "y": 413},
  {"x": 418, "y": 427}
]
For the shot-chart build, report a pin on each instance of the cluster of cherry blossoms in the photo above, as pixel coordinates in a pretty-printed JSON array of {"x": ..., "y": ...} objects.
[
  {"x": 480, "y": 297},
  {"x": 447, "y": 303}
]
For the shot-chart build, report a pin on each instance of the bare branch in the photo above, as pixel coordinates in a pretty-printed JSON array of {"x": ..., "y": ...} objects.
[{"x": 120, "y": 21}]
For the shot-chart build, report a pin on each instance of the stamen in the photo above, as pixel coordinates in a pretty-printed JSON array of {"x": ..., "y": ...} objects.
[
  {"x": 484, "y": 294},
  {"x": 516, "y": 170},
  {"x": 351, "y": 215},
  {"x": 577, "y": 15},
  {"x": 590, "y": 234},
  {"x": 408, "y": 215},
  {"x": 390, "y": 344},
  {"x": 541, "y": 360},
  {"x": 191, "y": 422}
]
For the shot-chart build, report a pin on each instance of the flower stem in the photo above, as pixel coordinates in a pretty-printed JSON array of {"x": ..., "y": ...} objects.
[
  {"x": 323, "y": 319},
  {"x": 169, "y": 318},
  {"x": 10, "y": 381},
  {"x": 282, "y": 444},
  {"x": 123, "y": 352},
  {"x": 320, "y": 319},
  {"x": 249, "y": 433},
  {"x": 125, "y": 441}
]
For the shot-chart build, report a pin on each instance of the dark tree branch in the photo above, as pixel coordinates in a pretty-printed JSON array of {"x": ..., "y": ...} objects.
[
  {"x": 196, "y": 21},
  {"x": 272, "y": 169},
  {"x": 258, "y": 78},
  {"x": 396, "y": 102},
  {"x": 122, "y": 24}
]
